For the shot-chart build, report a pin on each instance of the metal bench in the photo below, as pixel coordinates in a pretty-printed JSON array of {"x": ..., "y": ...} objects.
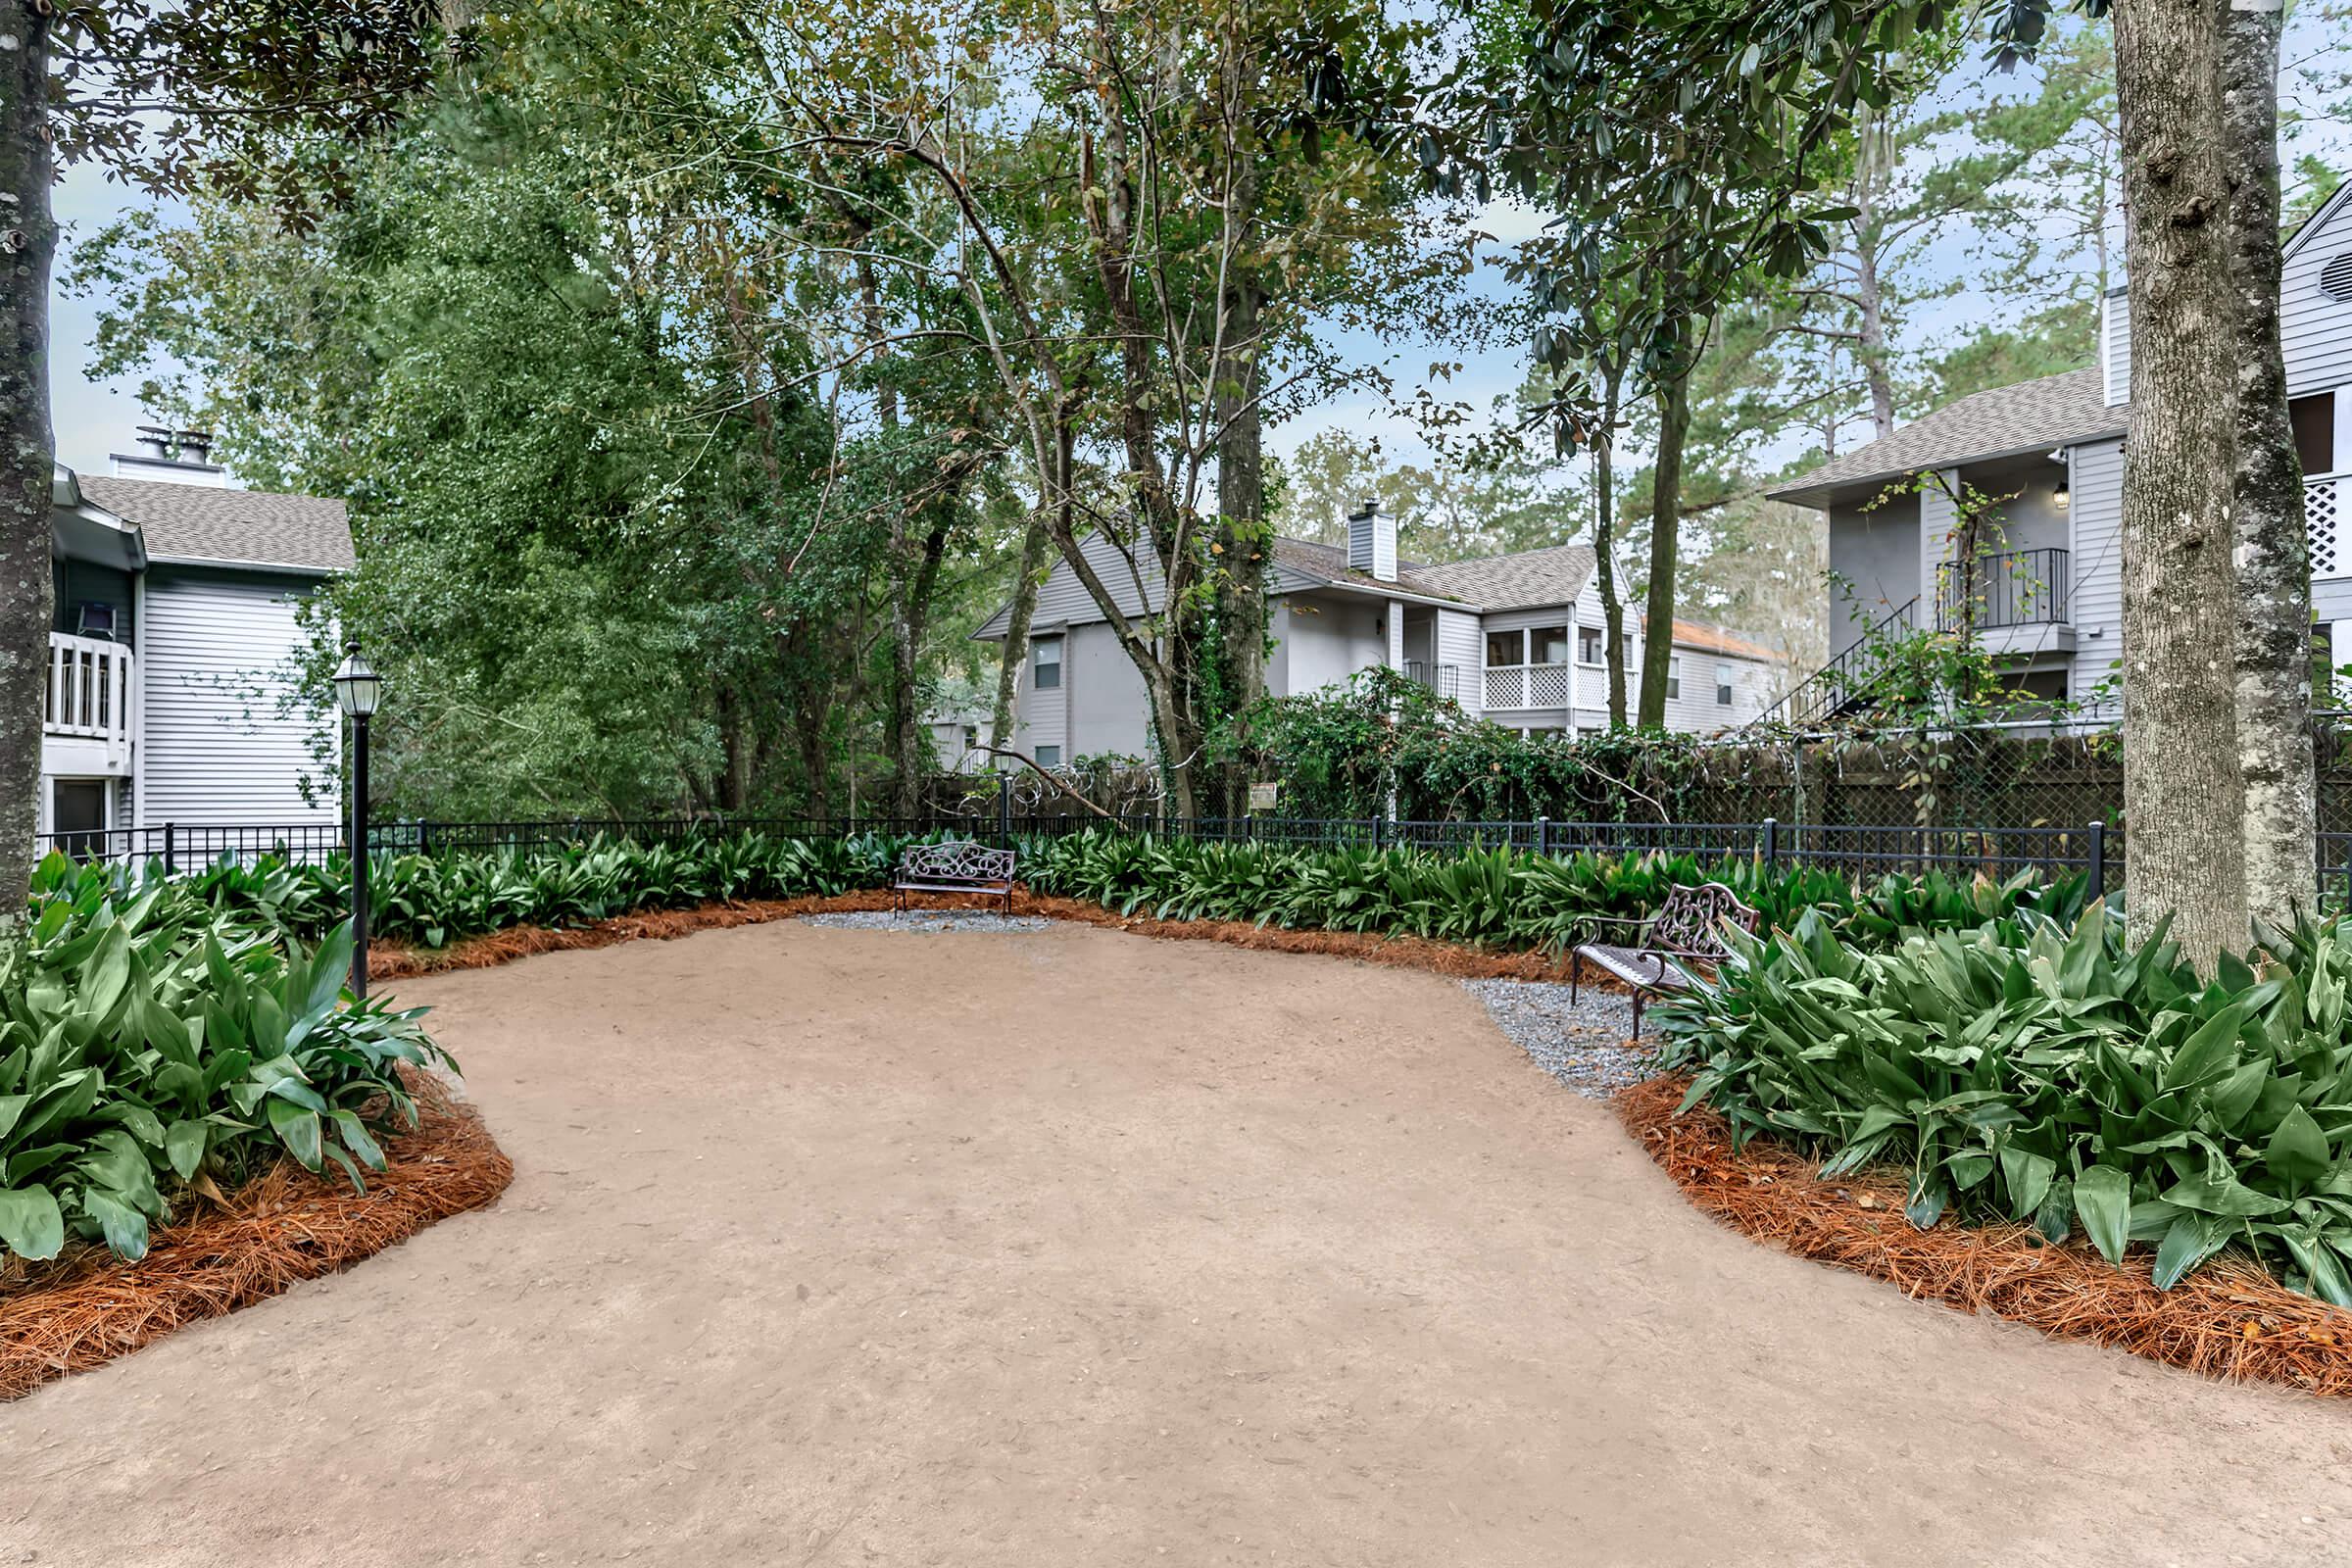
[
  {"x": 959, "y": 865},
  {"x": 1688, "y": 928}
]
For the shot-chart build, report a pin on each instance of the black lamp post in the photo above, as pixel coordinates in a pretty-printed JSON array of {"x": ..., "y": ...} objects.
[{"x": 358, "y": 689}]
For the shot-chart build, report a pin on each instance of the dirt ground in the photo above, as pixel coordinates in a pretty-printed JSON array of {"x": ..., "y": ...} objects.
[{"x": 836, "y": 1247}]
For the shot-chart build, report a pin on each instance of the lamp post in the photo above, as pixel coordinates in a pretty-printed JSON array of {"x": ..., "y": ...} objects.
[{"x": 358, "y": 689}]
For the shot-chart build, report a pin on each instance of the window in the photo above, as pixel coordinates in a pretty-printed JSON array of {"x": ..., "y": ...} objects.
[
  {"x": 1048, "y": 757},
  {"x": 971, "y": 737},
  {"x": 1550, "y": 645},
  {"x": 1723, "y": 685},
  {"x": 1505, "y": 648},
  {"x": 77, "y": 815},
  {"x": 1044, "y": 657},
  {"x": 1588, "y": 645},
  {"x": 2314, "y": 419},
  {"x": 1674, "y": 676}
]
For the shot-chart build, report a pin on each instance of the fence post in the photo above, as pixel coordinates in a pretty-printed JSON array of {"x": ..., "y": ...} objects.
[
  {"x": 171, "y": 851},
  {"x": 2098, "y": 862},
  {"x": 424, "y": 836},
  {"x": 1003, "y": 811},
  {"x": 1772, "y": 841},
  {"x": 1543, "y": 837},
  {"x": 1377, "y": 824}
]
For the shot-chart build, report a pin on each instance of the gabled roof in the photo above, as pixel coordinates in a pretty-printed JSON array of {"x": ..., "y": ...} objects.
[
  {"x": 2038, "y": 416},
  {"x": 1329, "y": 563},
  {"x": 1526, "y": 580},
  {"x": 190, "y": 522},
  {"x": 1712, "y": 639}
]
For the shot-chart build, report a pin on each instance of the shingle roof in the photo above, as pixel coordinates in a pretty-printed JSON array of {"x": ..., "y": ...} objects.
[
  {"x": 1554, "y": 575},
  {"x": 2054, "y": 410},
  {"x": 200, "y": 522},
  {"x": 1330, "y": 562},
  {"x": 1715, "y": 640}
]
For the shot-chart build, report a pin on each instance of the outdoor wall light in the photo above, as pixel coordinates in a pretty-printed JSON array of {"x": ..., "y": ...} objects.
[{"x": 2061, "y": 497}]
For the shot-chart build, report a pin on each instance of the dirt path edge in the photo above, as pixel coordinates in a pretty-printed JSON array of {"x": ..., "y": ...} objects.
[
  {"x": 285, "y": 1226},
  {"x": 2229, "y": 1320}
]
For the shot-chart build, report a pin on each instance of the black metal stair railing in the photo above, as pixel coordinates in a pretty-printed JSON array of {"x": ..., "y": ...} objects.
[{"x": 1837, "y": 684}]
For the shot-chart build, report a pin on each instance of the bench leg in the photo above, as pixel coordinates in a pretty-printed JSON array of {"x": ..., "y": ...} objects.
[
  {"x": 1637, "y": 1013},
  {"x": 1576, "y": 974}
]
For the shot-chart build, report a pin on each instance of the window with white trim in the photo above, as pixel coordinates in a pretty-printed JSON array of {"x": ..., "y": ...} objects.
[
  {"x": 1045, "y": 664},
  {"x": 1723, "y": 685},
  {"x": 1674, "y": 676}
]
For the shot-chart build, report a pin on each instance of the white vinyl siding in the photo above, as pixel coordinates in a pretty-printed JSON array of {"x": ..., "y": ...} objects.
[
  {"x": 1459, "y": 645},
  {"x": 2095, "y": 603},
  {"x": 2314, "y": 331},
  {"x": 215, "y": 661}
]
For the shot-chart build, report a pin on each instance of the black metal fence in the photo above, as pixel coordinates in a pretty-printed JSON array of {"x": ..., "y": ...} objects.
[{"x": 1856, "y": 849}]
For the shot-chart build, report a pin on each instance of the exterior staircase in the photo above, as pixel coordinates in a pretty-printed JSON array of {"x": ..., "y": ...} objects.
[{"x": 1840, "y": 686}]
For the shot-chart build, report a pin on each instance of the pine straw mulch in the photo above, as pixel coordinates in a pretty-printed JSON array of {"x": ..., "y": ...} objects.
[
  {"x": 287, "y": 1225},
  {"x": 386, "y": 961},
  {"x": 2228, "y": 1320}
]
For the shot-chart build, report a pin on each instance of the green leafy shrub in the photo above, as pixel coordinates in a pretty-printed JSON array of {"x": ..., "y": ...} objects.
[
  {"x": 151, "y": 1041},
  {"x": 2026, "y": 1073},
  {"x": 1499, "y": 896}
]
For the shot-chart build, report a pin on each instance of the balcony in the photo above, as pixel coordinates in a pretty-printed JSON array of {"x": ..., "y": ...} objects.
[
  {"x": 85, "y": 712},
  {"x": 2013, "y": 602},
  {"x": 1444, "y": 679},
  {"x": 1529, "y": 686}
]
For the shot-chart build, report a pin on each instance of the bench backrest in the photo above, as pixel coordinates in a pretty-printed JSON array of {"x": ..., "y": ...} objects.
[
  {"x": 956, "y": 860},
  {"x": 1690, "y": 920}
]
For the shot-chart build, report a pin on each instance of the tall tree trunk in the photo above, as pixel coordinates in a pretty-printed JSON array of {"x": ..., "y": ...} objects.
[
  {"x": 27, "y": 244},
  {"x": 910, "y": 618},
  {"x": 1604, "y": 539},
  {"x": 1240, "y": 559},
  {"x": 1665, "y": 523},
  {"x": 1242, "y": 539},
  {"x": 2273, "y": 554},
  {"x": 1036, "y": 547},
  {"x": 1872, "y": 155},
  {"x": 2182, "y": 795}
]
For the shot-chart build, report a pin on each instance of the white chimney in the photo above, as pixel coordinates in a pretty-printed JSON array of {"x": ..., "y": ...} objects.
[
  {"x": 2115, "y": 347},
  {"x": 1372, "y": 542},
  {"x": 176, "y": 456}
]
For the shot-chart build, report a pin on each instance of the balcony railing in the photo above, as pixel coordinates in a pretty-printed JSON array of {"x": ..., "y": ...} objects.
[
  {"x": 1444, "y": 679},
  {"x": 89, "y": 689},
  {"x": 2016, "y": 588},
  {"x": 1529, "y": 686}
]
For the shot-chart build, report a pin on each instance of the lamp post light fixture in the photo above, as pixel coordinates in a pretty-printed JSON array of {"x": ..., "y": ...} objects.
[{"x": 357, "y": 689}]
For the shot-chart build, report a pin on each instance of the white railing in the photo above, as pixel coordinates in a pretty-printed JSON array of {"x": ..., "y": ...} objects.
[
  {"x": 2324, "y": 502},
  {"x": 89, "y": 689},
  {"x": 1528, "y": 686}
]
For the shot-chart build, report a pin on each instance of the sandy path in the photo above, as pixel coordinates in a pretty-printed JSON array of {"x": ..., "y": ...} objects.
[{"x": 833, "y": 1247}]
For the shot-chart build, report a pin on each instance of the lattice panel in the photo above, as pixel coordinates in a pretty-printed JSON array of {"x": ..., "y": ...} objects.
[
  {"x": 2323, "y": 516},
  {"x": 1505, "y": 688},
  {"x": 1550, "y": 682}
]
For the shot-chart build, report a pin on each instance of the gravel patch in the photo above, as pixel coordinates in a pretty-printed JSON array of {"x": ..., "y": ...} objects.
[
  {"x": 1582, "y": 1044},
  {"x": 928, "y": 921}
]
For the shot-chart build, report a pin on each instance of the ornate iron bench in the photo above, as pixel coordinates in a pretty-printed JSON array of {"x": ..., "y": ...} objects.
[
  {"x": 1688, "y": 928},
  {"x": 959, "y": 865}
]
